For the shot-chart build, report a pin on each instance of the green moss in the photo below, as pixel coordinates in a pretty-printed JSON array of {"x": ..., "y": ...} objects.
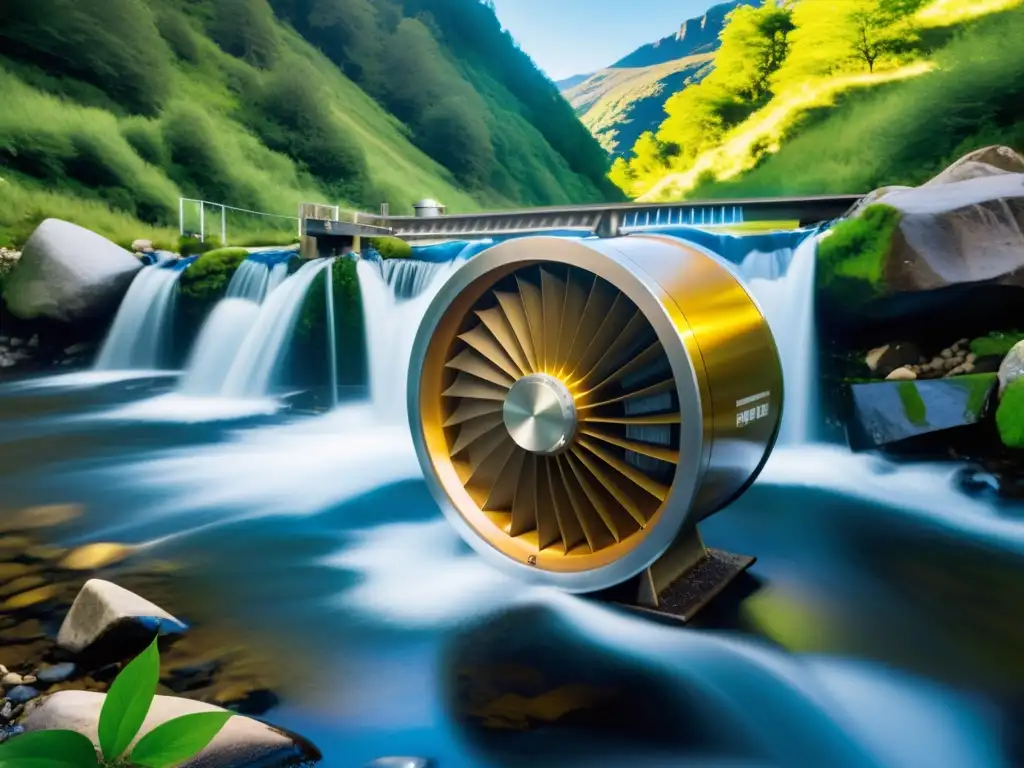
[
  {"x": 390, "y": 247},
  {"x": 1010, "y": 416},
  {"x": 913, "y": 404},
  {"x": 980, "y": 386},
  {"x": 310, "y": 360},
  {"x": 852, "y": 259},
  {"x": 206, "y": 280},
  {"x": 996, "y": 343}
]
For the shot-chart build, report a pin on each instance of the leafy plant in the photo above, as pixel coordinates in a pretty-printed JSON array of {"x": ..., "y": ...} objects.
[{"x": 124, "y": 711}]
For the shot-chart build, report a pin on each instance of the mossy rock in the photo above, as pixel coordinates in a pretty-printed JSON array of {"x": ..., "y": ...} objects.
[
  {"x": 206, "y": 280},
  {"x": 997, "y": 343},
  {"x": 852, "y": 259},
  {"x": 390, "y": 247},
  {"x": 1010, "y": 416}
]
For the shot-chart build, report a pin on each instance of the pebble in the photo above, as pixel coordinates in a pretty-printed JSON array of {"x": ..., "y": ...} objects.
[
  {"x": 901, "y": 374},
  {"x": 11, "y": 678},
  {"x": 21, "y": 694},
  {"x": 946, "y": 354},
  {"x": 15, "y": 343},
  {"x": 9, "y": 731},
  {"x": 58, "y": 673},
  {"x": 3, "y": 670},
  {"x": 7, "y": 711}
]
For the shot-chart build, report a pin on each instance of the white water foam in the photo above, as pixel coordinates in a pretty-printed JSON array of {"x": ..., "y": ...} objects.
[{"x": 140, "y": 332}]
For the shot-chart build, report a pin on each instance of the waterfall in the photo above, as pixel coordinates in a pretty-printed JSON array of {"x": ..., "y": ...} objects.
[
  {"x": 332, "y": 341},
  {"x": 258, "y": 276},
  {"x": 251, "y": 374},
  {"x": 783, "y": 283},
  {"x": 218, "y": 343},
  {"x": 138, "y": 337}
]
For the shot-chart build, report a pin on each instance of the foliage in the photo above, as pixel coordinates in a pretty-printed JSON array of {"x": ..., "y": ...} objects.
[
  {"x": 908, "y": 131},
  {"x": 914, "y": 407},
  {"x": 124, "y": 710},
  {"x": 996, "y": 343},
  {"x": 112, "y": 44},
  {"x": 1010, "y": 415},
  {"x": 852, "y": 259},
  {"x": 390, "y": 247},
  {"x": 246, "y": 29},
  {"x": 179, "y": 36},
  {"x": 146, "y": 139},
  {"x": 206, "y": 280}
]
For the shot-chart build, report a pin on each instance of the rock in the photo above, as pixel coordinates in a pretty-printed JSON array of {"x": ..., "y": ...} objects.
[
  {"x": 58, "y": 673},
  {"x": 79, "y": 349},
  {"x": 68, "y": 273},
  {"x": 33, "y": 343},
  {"x": 7, "y": 711},
  {"x": 110, "y": 616},
  {"x": 241, "y": 742},
  {"x": 888, "y": 412},
  {"x": 1012, "y": 367},
  {"x": 887, "y": 359},
  {"x": 399, "y": 762},
  {"x": 982, "y": 163},
  {"x": 21, "y": 694},
  {"x": 29, "y": 679},
  {"x": 3, "y": 670},
  {"x": 142, "y": 246},
  {"x": 901, "y": 374},
  {"x": 11, "y": 679},
  {"x": 15, "y": 343},
  {"x": 10, "y": 731}
]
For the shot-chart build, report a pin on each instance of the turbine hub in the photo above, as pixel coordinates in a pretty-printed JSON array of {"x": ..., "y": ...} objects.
[{"x": 540, "y": 414}]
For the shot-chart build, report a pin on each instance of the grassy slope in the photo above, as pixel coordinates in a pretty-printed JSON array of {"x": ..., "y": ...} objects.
[
  {"x": 900, "y": 131},
  {"x": 38, "y": 122},
  {"x": 617, "y": 105}
]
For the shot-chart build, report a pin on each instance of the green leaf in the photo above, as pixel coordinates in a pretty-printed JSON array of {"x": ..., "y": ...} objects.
[
  {"x": 127, "y": 702},
  {"x": 48, "y": 749},
  {"x": 178, "y": 739}
]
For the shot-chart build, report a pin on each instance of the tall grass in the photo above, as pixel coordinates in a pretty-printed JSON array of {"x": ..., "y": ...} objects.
[{"x": 905, "y": 133}]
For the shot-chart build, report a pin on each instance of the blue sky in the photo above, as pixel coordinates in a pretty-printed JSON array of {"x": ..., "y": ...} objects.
[{"x": 571, "y": 37}]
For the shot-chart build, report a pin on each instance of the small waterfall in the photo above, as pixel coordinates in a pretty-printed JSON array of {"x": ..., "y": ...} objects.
[
  {"x": 138, "y": 337},
  {"x": 258, "y": 276},
  {"x": 252, "y": 372},
  {"x": 218, "y": 343},
  {"x": 783, "y": 283},
  {"x": 332, "y": 341}
]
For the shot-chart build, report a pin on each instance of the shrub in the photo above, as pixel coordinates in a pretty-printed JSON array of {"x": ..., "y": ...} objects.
[
  {"x": 175, "y": 30},
  {"x": 1010, "y": 416},
  {"x": 246, "y": 29},
  {"x": 852, "y": 259},
  {"x": 110, "y": 43},
  {"x": 146, "y": 139},
  {"x": 390, "y": 247},
  {"x": 206, "y": 280}
]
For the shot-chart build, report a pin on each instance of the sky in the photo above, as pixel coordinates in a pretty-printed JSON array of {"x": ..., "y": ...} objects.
[{"x": 574, "y": 37}]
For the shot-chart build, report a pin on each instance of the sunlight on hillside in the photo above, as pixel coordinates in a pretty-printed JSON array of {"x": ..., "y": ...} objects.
[
  {"x": 944, "y": 13},
  {"x": 763, "y": 131}
]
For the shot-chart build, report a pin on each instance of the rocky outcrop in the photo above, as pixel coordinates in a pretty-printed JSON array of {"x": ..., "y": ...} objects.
[
  {"x": 68, "y": 274},
  {"x": 889, "y": 412},
  {"x": 1012, "y": 367},
  {"x": 241, "y": 742},
  {"x": 109, "y": 620}
]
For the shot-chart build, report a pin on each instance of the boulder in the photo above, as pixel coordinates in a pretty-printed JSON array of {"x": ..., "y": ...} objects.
[
  {"x": 109, "y": 621},
  {"x": 1012, "y": 367},
  {"x": 990, "y": 161},
  {"x": 888, "y": 412},
  {"x": 241, "y": 742},
  {"x": 69, "y": 274}
]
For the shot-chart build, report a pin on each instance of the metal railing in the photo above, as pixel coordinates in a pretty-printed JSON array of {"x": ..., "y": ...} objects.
[{"x": 306, "y": 210}]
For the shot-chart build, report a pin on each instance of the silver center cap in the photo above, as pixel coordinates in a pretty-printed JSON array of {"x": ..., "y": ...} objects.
[{"x": 540, "y": 414}]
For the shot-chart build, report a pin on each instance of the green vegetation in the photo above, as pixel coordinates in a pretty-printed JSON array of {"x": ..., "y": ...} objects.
[
  {"x": 390, "y": 247},
  {"x": 206, "y": 280},
  {"x": 1010, "y": 416},
  {"x": 980, "y": 386},
  {"x": 114, "y": 110},
  {"x": 309, "y": 363},
  {"x": 997, "y": 343},
  {"x": 124, "y": 710},
  {"x": 913, "y": 404},
  {"x": 878, "y": 92},
  {"x": 852, "y": 259}
]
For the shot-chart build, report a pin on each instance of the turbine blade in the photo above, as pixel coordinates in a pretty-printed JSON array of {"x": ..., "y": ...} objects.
[
  {"x": 548, "y": 523},
  {"x": 469, "y": 361},
  {"x": 497, "y": 323},
  {"x": 654, "y": 389},
  {"x": 503, "y": 491},
  {"x": 599, "y": 302},
  {"x": 515, "y": 312},
  {"x": 598, "y": 533},
  {"x": 651, "y": 419},
  {"x": 471, "y": 431},
  {"x": 532, "y": 302},
  {"x": 480, "y": 339},
  {"x": 471, "y": 387},
  {"x": 606, "y": 480},
  {"x": 577, "y": 289},
  {"x": 552, "y": 292},
  {"x": 621, "y": 311},
  {"x": 471, "y": 409},
  {"x": 524, "y": 506},
  {"x": 659, "y": 452},
  {"x": 569, "y": 527}
]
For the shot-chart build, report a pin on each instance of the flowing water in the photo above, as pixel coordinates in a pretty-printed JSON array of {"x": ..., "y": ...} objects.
[{"x": 880, "y": 627}]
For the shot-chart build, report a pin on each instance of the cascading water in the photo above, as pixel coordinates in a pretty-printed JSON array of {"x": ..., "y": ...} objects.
[
  {"x": 332, "y": 341},
  {"x": 218, "y": 343},
  {"x": 259, "y": 275},
  {"x": 252, "y": 372},
  {"x": 138, "y": 338}
]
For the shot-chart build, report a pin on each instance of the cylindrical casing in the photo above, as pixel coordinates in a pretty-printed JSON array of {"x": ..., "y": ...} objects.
[{"x": 726, "y": 375}]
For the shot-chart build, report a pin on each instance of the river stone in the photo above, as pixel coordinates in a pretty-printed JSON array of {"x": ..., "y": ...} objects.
[
  {"x": 110, "y": 616},
  {"x": 70, "y": 274},
  {"x": 901, "y": 374},
  {"x": 990, "y": 161},
  {"x": 885, "y": 360},
  {"x": 887, "y": 412},
  {"x": 58, "y": 673},
  {"x": 241, "y": 742},
  {"x": 1012, "y": 367}
]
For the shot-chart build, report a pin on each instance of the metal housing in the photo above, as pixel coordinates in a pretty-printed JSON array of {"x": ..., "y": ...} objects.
[{"x": 595, "y": 510}]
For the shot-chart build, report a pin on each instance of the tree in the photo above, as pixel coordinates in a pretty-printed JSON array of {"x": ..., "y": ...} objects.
[
  {"x": 754, "y": 46},
  {"x": 246, "y": 29}
]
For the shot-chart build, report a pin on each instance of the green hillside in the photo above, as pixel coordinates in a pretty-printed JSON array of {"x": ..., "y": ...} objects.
[
  {"x": 842, "y": 96},
  {"x": 113, "y": 109}
]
